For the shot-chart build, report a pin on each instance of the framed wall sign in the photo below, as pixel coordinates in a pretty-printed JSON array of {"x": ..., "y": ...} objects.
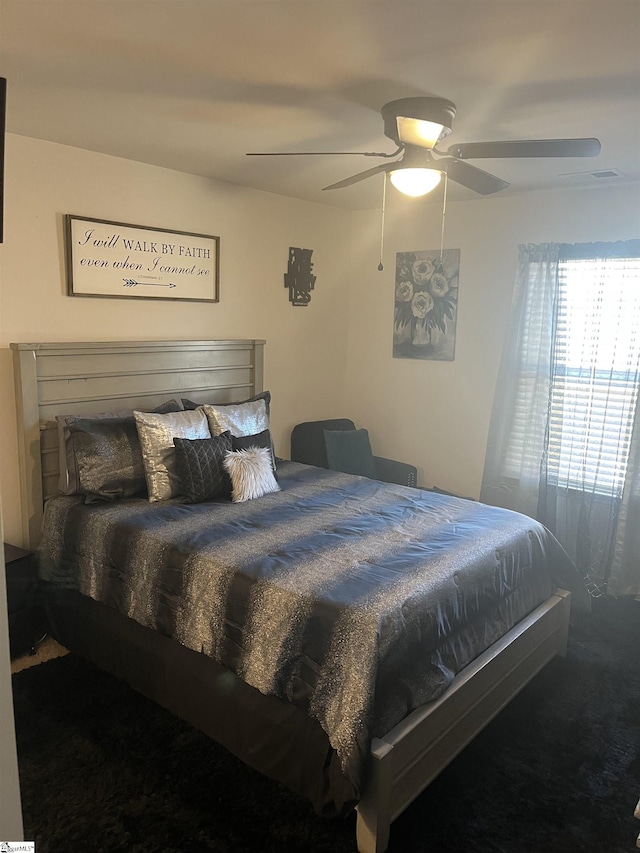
[{"x": 114, "y": 259}]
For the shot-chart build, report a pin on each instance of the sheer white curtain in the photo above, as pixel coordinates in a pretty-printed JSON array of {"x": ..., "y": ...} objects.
[
  {"x": 564, "y": 442},
  {"x": 519, "y": 419},
  {"x": 624, "y": 577}
]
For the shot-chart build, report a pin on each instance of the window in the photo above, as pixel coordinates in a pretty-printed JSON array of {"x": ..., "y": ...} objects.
[
  {"x": 595, "y": 373},
  {"x": 564, "y": 439}
]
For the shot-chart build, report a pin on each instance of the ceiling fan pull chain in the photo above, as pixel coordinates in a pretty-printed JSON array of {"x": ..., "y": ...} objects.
[
  {"x": 384, "y": 200},
  {"x": 444, "y": 212}
]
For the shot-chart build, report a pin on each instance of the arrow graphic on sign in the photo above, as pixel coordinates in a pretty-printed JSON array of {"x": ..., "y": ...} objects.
[{"x": 130, "y": 282}]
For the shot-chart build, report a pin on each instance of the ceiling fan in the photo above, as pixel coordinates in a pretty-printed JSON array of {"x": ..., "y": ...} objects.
[{"x": 417, "y": 125}]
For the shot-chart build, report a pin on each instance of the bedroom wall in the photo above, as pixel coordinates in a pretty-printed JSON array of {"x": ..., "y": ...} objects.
[
  {"x": 436, "y": 414},
  {"x": 304, "y": 365},
  {"x": 332, "y": 358}
]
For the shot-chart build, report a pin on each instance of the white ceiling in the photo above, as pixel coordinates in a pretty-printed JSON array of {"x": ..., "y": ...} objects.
[{"x": 194, "y": 84}]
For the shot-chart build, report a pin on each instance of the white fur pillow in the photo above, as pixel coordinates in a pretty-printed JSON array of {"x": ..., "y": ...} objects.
[{"x": 251, "y": 473}]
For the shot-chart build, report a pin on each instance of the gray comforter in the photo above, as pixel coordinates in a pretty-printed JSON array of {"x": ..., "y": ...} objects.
[{"x": 356, "y": 600}]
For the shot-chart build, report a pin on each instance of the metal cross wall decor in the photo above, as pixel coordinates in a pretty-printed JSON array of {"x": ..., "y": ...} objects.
[{"x": 298, "y": 278}]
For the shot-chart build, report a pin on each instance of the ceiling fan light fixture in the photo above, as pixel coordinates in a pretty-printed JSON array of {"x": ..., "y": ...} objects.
[
  {"x": 421, "y": 133},
  {"x": 415, "y": 181},
  {"x": 426, "y": 111}
]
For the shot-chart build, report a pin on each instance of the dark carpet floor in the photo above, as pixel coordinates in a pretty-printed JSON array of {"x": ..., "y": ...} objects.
[{"x": 103, "y": 769}]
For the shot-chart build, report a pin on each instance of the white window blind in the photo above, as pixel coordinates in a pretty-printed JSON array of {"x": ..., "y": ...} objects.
[{"x": 595, "y": 374}]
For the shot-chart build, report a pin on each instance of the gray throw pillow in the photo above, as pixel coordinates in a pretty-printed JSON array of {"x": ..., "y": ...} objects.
[
  {"x": 263, "y": 395},
  {"x": 69, "y": 482},
  {"x": 349, "y": 451},
  {"x": 108, "y": 457},
  {"x": 261, "y": 439}
]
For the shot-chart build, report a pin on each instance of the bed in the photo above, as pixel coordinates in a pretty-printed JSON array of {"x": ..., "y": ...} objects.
[{"x": 300, "y": 723}]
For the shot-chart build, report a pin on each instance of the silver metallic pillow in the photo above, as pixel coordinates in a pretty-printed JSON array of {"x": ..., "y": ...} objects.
[
  {"x": 238, "y": 418},
  {"x": 156, "y": 434}
]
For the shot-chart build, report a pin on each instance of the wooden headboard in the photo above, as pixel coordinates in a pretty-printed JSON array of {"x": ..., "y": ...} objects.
[{"x": 81, "y": 378}]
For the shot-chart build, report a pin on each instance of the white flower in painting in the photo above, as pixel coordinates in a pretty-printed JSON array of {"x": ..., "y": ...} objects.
[
  {"x": 422, "y": 271},
  {"x": 421, "y": 304},
  {"x": 404, "y": 291},
  {"x": 438, "y": 284}
]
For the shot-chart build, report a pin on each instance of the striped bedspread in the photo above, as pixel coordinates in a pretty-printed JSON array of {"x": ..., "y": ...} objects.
[{"x": 356, "y": 600}]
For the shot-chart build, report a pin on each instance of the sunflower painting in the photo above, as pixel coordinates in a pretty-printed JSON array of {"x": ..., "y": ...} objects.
[{"x": 426, "y": 303}]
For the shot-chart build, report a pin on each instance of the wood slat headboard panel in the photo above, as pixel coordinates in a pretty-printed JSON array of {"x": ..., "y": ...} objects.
[{"x": 81, "y": 378}]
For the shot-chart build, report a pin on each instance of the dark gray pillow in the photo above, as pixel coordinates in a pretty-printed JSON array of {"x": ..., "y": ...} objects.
[
  {"x": 349, "y": 451},
  {"x": 69, "y": 483},
  {"x": 260, "y": 439},
  {"x": 108, "y": 457},
  {"x": 200, "y": 467},
  {"x": 264, "y": 395}
]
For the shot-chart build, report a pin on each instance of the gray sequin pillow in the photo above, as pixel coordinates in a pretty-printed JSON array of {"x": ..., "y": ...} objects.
[
  {"x": 69, "y": 482},
  {"x": 237, "y": 418},
  {"x": 156, "y": 433},
  {"x": 108, "y": 458}
]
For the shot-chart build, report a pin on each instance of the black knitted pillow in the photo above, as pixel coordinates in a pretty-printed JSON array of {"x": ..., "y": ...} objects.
[{"x": 200, "y": 469}]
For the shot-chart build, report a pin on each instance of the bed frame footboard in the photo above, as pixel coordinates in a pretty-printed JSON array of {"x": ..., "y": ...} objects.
[{"x": 413, "y": 753}]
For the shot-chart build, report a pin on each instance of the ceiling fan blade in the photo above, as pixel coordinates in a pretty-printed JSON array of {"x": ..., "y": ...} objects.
[
  {"x": 316, "y": 153},
  {"x": 526, "y": 148},
  {"x": 472, "y": 177},
  {"x": 361, "y": 176}
]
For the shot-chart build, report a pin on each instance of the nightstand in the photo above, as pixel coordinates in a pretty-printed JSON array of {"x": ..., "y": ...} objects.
[{"x": 27, "y": 623}]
